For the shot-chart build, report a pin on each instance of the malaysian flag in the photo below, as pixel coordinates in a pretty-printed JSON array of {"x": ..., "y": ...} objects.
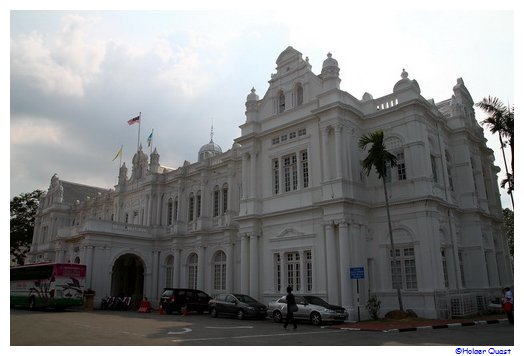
[{"x": 134, "y": 120}]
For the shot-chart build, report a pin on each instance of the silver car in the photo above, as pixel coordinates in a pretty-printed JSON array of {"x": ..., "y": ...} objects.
[{"x": 312, "y": 308}]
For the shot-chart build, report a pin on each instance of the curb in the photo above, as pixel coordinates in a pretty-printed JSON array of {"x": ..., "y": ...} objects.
[{"x": 427, "y": 327}]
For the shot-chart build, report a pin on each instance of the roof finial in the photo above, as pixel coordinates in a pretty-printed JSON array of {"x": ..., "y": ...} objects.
[{"x": 211, "y": 131}]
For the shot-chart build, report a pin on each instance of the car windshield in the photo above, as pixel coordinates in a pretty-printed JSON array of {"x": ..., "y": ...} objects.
[
  {"x": 316, "y": 301},
  {"x": 244, "y": 298}
]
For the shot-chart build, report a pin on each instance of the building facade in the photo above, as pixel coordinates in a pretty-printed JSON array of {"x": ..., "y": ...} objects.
[{"x": 289, "y": 204}]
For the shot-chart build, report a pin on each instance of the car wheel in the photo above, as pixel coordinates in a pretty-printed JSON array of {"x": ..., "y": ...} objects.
[
  {"x": 316, "y": 319},
  {"x": 213, "y": 312},
  {"x": 277, "y": 316},
  {"x": 240, "y": 314}
]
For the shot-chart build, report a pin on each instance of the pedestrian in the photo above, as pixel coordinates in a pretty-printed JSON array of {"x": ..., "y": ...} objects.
[
  {"x": 507, "y": 304},
  {"x": 291, "y": 308}
]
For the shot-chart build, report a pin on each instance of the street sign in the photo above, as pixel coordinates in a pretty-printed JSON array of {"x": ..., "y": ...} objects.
[{"x": 356, "y": 272}]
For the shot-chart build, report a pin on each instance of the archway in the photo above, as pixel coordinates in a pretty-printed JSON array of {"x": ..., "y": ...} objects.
[{"x": 127, "y": 279}]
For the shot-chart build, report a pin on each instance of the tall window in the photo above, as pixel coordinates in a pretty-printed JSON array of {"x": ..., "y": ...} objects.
[
  {"x": 278, "y": 272},
  {"x": 281, "y": 102},
  {"x": 305, "y": 169},
  {"x": 404, "y": 272},
  {"x": 434, "y": 168},
  {"x": 192, "y": 271},
  {"x": 445, "y": 267},
  {"x": 309, "y": 271},
  {"x": 401, "y": 166},
  {"x": 299, "y": 94},
  {"x": 290, "y": 173},
  {"x": 216, "y": 201},
  {"x": 293, "y": 270},
  {"x": 450, "y": 175},
  {"x": 191, "y": 207},
  {"x": 169, "y": 271},
  {"x": 224, "y": 198},
  {"x": 276, "y": 176},
  {"x": 170, "y": 212},
  {"x": 176, "y": 209},
  {"x": 199, "y": 204},
  {"x": 220, "y": 271}
]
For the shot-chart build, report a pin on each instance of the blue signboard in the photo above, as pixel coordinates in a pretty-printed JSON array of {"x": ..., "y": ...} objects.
[{"x": 356, "y": 272}]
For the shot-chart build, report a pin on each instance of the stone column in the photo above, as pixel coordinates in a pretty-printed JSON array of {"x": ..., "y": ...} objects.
[
  {"x": 154, "y": 275},
  {"x": 338, "y": 151},
  {"x": 176, "y": 268},
  {"x": 229, "y": 268},
  {"x": 331, "y": 267},
  {"x": 253, "y": 266},
  {"x": 245, "y": 178},
  {"x": 345, "y": 262},
  {"x": 325, "y": 155},
  {"x": 283, "y": 273},
  {"x": 253, "y": 172},
  {"x": 244, "y": 265},
  {"x": 201, "y": 268},
  {"x": 90, "y": 252}
]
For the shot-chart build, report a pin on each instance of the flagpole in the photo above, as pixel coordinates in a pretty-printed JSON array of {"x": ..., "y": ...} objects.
[
  {"x": 138, "y": 140},
  {"x": 150, "y": 142}
]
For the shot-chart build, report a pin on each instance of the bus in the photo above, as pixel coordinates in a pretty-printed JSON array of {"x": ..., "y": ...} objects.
[{"x": 55, "y": 285}]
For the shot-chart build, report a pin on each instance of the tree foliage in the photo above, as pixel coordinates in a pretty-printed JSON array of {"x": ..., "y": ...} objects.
[
  {"x": 23, "y": 211},
  {"x": 508, "y": 228}
]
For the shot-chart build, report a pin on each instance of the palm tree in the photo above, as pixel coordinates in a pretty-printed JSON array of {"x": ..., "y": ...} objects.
[
  {"x": 500, "y": 122},
  {"x": 379, "y": 158}
]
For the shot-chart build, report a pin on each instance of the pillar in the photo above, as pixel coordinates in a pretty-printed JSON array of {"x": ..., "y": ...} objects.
[
  {"x": 229, "y": 268},
  {"x": 331, "y": 267},
  {"x": 345, "y": 263},
  {"x": 244, "y": 265},
  {"x": 325, "y": 155},
  {"x": 176, "y": 269},
  {"x": 338, "y": 151},
  {"x": 253, "y": 266},
  {"x": 201, "y": 268}
]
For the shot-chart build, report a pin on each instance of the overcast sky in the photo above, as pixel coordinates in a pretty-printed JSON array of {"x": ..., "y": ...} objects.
[{"x": 76, "y": 77}]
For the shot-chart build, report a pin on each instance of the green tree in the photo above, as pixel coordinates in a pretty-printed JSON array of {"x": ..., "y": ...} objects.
[
  {"x": 379, "y": 158},
  {"x": 23, "y": 211},
  {"x": 500, "y": 122},
  {"x": 508, "y": 228}
]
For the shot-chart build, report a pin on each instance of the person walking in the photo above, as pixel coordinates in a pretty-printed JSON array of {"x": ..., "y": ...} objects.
[
  {"x": 291, "y": 308},
  {"x": 507, "y": 304}
]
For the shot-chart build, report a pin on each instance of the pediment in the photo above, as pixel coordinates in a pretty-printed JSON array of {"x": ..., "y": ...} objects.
[{"x": 290, "y": 232}]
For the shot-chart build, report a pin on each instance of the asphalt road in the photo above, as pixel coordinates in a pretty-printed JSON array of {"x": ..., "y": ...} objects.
[{"x": 119, "y": 328}]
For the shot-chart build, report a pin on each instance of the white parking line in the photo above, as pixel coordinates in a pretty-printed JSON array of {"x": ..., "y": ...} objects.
[
  {"x": 229, "y": 327},
  {"x": 289, "y": 333}
]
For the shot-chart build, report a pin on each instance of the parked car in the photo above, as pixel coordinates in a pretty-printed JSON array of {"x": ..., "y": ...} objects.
[
  {"x": 310, "y": 308},
  {"x": 238, "y": 305},
  {"x": 174, "y": 299}
]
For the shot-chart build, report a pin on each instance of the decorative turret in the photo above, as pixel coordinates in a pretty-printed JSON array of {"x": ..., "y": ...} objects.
[
  {"x": 122, "y": 174},
  {"x": 154, "y": 165},
  {"x": 139, "y": 164},
  {"x": 209, "y": 150},
  {"x": 405, "y": 83},
  {"x": 251, "y": 105},
  {"x": 330, "y": 72}
]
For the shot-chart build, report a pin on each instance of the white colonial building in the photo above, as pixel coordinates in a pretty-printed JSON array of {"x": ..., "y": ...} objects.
[{"x": 288, "y": 204}]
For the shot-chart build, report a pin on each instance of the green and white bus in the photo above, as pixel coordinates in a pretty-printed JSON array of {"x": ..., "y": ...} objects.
[{"x": 56, "y": 285}]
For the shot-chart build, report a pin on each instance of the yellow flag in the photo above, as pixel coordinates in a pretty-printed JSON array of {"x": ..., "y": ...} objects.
[{"x": 119, "y": 153}]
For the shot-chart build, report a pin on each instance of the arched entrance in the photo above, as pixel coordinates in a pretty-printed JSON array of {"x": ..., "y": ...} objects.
[{"x": 127, "y": 279}]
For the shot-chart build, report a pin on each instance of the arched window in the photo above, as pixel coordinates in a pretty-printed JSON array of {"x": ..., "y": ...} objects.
[
  {"x": 281, "y": 101},
  {"x": 170, "y": 264},
  {"x": 224, "y": 198},
  {"x": 77, "y": 260},
  {"x": 192, "y": 264},
  {"x": 299, "y": 92},
  {"x": 219, "y": 262}
]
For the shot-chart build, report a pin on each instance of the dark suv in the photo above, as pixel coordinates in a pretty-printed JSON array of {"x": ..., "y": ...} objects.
[{"x": 174, "y": 299}]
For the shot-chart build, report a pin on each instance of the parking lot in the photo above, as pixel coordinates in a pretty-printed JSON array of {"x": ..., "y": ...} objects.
[{"x": 108, "y": 328}]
